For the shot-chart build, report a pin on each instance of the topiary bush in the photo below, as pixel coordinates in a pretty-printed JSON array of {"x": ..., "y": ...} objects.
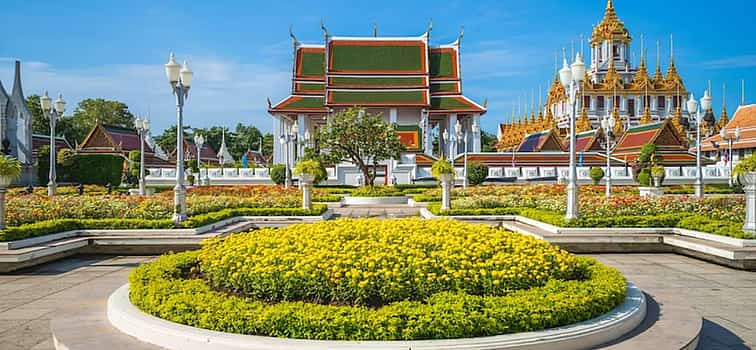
[
  {"x": 441, "y": 167},
  {"x": 278, "y": 174},
  {"x": 394, "y": 279},
  {"x": 376, "y": 191},
  {"x": 644, "y": 177},
  {"x": 312, "y": 167},
  {"x": 99, "y": 169},
  {"x": 596, "y": 175},
  {"x": 477, "y": 172}
]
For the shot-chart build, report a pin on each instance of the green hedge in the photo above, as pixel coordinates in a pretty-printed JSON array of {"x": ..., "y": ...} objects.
[
  {"x": 61, "y": 225},
  {"x": 681, "y": 220},
  {"x": 99, "y": 169},
  {"x": 162, "y": 289},
  {"x": 376, "y": 191}
]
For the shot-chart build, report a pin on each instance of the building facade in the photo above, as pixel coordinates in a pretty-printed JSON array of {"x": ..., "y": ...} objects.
[
  {"x": 16, "y": 126},
  {"x": 410, "y": 83}
]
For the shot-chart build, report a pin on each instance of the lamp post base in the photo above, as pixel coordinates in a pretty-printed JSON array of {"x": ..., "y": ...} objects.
[
  {"x": 572, "y": 201},
  {"x": 142, "y": 188},
  {"x": 608, "y": 187},
  {"x": 52, "y": 188},
  {"x": 179, "y": 203},
  {"x": 699, "y": 188}
]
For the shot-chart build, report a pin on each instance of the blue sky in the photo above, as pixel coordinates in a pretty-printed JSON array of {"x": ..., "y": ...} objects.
[{"x": 241, "y": 53}]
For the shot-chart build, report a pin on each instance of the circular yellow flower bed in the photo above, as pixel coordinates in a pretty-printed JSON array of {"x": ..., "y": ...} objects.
[
  {"x": 374, "y": 262},
  {"x": 372, "y": 279}
]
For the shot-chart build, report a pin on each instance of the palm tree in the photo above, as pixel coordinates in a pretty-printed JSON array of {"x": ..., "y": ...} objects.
[{"x": 10, "y": 170}]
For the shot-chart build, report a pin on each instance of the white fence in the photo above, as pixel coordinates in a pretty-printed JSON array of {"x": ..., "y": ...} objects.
[{"x": 408, "y": 173}]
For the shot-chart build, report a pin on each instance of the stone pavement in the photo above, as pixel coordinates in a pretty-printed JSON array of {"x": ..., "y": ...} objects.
[{"x": 724, "y": 296}]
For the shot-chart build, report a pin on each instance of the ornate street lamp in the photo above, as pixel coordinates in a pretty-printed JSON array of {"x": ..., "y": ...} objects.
[
  {"x": 695, "y": 109},
  {"x": 572, "y": 78},
  {"x": 609, "y": 142},
  {"x": 199, "y": 141},
  {"x": 730, "y": 140},
  {"x": 180, "y": 79},
  {"x": 142, "y": 126},
  {"x": 53, "y": 113}
]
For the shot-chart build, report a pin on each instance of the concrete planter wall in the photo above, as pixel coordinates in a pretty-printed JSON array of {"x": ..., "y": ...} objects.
[
  {"x": 651, "y": 191},
  {"x": 749, "y": 186},
  {"x": 173, "y": 336}
]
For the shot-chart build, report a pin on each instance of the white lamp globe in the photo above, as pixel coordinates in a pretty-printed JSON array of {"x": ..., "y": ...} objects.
[
  {"x": 60, "y": 105},
  {"x": 565, "y": 74},
  {"x": 692, "y": 104},
  {"x": 146, "y": 124},
  {"x": 723, "y": 133},
  {"x": 706, "y": 101},
  {"x": 737, "y": 132},
  {"x": 578, "y": 68},
  {"x": 45, "y": 102},
  {"x": 186, "y": 75},
  {"x": 138, "y": 123},
  {"x": 172, "y": 69}
]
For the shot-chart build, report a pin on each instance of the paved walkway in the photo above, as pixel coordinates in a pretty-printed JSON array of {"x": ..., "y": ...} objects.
[{"x": 725, "y": 297}]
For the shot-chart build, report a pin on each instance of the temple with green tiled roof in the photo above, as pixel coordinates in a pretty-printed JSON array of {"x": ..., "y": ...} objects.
[{"x": 411, "y": 83}]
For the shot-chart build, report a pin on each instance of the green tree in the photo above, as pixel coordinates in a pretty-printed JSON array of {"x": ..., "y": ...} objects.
[
  {"x": 477, "y": 172},
  {"x": 245, "y": 137},
  {"x": 487, "y": 142},
  {"x": 41, "y": 122},
  {"x": 167, "y": 140},
  {"x": 362, "y": 138},
  {"x": 90, "y": 110}
]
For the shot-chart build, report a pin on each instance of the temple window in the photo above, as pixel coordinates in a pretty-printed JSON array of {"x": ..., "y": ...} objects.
[
  {"x": 600, "y": 102},
  {"x": 587, "y": 102},
  {"x": 631, "y": 107},
  {"x": 661, "y": 101}
]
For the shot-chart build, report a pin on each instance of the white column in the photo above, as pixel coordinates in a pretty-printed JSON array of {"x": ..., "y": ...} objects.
[
  {"x": 452, "y": 135},
  {"x": 476, "y": 137},
  {"x": 277, "y": 150},
  {"x": 391, "y": 162},
  {"x": 428, "y": 136},
  {"x": 302, "y": 121}
]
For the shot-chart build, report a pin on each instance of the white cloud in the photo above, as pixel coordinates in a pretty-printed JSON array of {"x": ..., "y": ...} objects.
[
  {"x": 224, "y": 92},
  {"x": 742, "y": 61}
]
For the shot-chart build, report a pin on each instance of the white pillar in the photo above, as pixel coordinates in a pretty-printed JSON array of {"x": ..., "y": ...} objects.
[
  {"x": 277, "y": 148},
  {"x": 428, "y": 136},
  {"x": 301, "y": 120},
  {"x": 476, "y": 146},
  {"x": 391, "y": 162}
]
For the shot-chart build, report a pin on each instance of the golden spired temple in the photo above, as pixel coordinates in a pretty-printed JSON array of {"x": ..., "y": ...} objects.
[{"x": 613, "y": 86}]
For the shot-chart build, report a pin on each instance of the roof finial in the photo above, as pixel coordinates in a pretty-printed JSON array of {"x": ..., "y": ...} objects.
[
  {"x": 609, "y": 4},
  {"x": 291, "y": 34},
  {"x": 671, "y": 50},
  {"x": 270, "y": 105},
  {"x": 430, "y": 25},
  {"x": 485, "y": 102},
  {"x": 323, "y": 28},
  {"x": 461, "y": 33},
  {"x": 375, "y": 29}
]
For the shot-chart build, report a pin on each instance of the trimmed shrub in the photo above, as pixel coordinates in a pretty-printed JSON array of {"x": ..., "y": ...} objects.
[
  {"x": 278, "y": 174},
  {"x": 477, "y": 173},
  {"x": 644, "y": 177},
  {"x": 99, "y": 169},
  {"x": 596, "y": 174}
]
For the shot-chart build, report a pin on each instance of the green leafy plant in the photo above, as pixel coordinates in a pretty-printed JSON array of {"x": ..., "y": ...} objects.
[
  {"x": 644, "y": 177},
  {"x": 745, "y": 166},
  {"x": 441, "y": 167},
  {"x": 278, "y": 174},
  {"x": 313, "y": 168},
  {"x": 657, "y": 172},
  {"x": 596, "y": 174},
  {"x": 10, "y": 167},
  {"x": 477, "y": 172}
]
